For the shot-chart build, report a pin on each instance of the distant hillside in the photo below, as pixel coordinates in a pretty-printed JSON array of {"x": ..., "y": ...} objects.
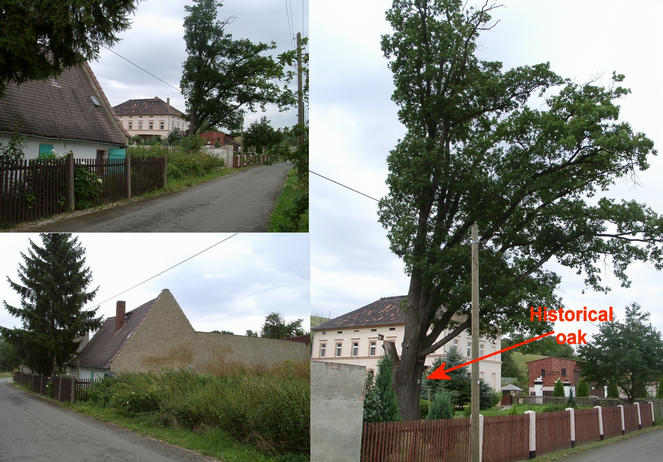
[
  {"x": 317, "y": 320},
  {"x": 521, "y": 361}
]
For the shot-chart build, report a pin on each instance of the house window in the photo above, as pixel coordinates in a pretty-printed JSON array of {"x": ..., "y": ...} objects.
[
  {"x": 355, "y": 348},
  {"x": 371, "y": 349},
  {"x": 131, "y": 125},
  {"x": 338, "y": 349},
  {"x": 140, "y": 125},
  {"x": 469, "y": 349},
  {"x": 161, "y": 125},
  {"x": 45, "y": 150},
  {"x": 392, "y": 328},
  {"x": 323, "y": 349},
  {"x": 480, "y": 350},
  {"x": 151, "y": 125},
  {"x": 563, "y": 372},
  {"x": 543, "y": 373}
]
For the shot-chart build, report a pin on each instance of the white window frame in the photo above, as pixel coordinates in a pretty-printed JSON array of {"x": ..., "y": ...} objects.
[
  {"x": 323, "y": 349},
  {"x": 372, "y": 346},
  {"x": 338, "y": 349},
  {"x": 355, "y": 348}
]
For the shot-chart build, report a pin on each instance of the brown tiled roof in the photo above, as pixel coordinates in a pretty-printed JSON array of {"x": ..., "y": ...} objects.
[
  {"x": 152, "y": 106},
  {"x": 61, "y": 109},
  {"x": 385, "y": 311},
  {"x": 106, "y": 343}
]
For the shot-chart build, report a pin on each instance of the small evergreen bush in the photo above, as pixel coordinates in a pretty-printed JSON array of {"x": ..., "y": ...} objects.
[{"x": 441, "y": 407}]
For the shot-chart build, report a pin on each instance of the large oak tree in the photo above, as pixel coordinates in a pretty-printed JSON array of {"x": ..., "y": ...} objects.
[{"x": 526, "y": 154}]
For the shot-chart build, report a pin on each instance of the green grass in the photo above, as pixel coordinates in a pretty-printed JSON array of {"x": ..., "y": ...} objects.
[
  {"x": 317, "y": 320},
  {"x": 5, "y": 375},
  {"x": 291, "y": 210},
  {"x": 521, "y": 360},
  {"x": 519, "y": 409}
]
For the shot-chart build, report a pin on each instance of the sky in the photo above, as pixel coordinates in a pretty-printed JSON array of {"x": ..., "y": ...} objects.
[
  {"x": 155, "y": 42},
  {"x": 355, "y": 124},
  {"x": 230, "y": 287}
]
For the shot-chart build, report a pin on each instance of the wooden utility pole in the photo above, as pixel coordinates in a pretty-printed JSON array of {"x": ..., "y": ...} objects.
[
  {"x": 476, "y": 450},
  {"x": 300, "y": 93}
]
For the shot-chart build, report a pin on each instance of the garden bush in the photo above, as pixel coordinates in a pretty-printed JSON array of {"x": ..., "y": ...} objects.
[{"x": 87, "y": 187}]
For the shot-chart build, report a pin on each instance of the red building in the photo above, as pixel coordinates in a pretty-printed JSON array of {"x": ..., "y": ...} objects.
[
  {"x": 550, "y": 369},
  {"x": 221, "y": 138}
]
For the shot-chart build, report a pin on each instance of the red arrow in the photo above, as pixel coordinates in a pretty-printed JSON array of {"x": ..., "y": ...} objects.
[{"x": 441, "y": 374}]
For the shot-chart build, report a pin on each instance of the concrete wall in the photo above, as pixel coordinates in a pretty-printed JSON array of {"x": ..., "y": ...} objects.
[
  {"x": 81, "y": 150},
  {"x": 337, "y": 406},
  {"x": 166, "y": 340},
  {"x": 224, "y": 152}
]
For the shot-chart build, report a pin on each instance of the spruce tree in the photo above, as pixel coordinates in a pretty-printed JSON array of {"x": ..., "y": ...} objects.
[
  {"x": 583, "y": 389},
  {"x": 559, "y": 388},
  {"x": 51, "y": 282}
]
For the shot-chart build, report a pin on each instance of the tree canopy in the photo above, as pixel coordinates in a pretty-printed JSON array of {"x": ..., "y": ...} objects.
[
  {"x": 39, "y": 39},
  {"x": 628, "y": 353},
  {"x": 276, "y": 327},
  {"x": 51, "y": 283},
  {"x": 222, "y": 76},
  {"x": 261, "y": 135},
  {"x": 526, "y": 154}
]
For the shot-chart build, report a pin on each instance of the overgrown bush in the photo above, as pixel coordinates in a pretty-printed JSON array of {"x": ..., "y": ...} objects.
[
  {"x": 268, "y": 409},
  {"x": 87, "y": 187},
  {"x": 181, "y": 164},
  {"x": 441, "y": 408}
]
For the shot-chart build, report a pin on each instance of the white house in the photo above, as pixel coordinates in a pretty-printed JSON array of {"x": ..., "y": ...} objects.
[
  {"x": 150, "y": 117},
  {"x": 69, "y": 112},
  {"x": 357, "y": 337}
]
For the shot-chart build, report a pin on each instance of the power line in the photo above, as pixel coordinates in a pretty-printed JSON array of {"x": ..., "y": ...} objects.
[
  {"x": 348, "y": 187},
  {"x": 167, "y": 269},
  {"x": 287, "y": 14},
  {"x": 144, "y": 70}
]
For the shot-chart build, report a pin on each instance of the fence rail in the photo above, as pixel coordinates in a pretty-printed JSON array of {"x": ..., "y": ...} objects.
[
  {"x": 62, "y": 388},
  {"x": 505, "y": 438},
  {"x": 38, "y": 188}
]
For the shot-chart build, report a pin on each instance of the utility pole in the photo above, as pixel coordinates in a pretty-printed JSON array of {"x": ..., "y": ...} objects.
[
  {"x": 300, "y": 93},
  {"x": 476, "y": 450}
]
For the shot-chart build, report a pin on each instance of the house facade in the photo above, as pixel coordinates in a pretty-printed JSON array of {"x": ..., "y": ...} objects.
[
  {"x": 550, "y": 370},
  {"x": 157, "y": 336},
  {"x": 222, "y": 139},
  {"x": 150, "y": 117},
  {"x": 66, "y": 113},
  {"x": 357, "y": 338}
]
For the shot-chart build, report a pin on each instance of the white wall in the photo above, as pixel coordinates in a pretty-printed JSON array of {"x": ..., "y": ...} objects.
[
  {"x": 81, "y": 150},
  {"x": 490, "y": 369}
]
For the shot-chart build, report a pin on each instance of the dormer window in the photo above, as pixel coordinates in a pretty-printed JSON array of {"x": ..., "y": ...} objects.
[
  {"x": 95, "y": 101},
  {"x": 55, "y": 84}
]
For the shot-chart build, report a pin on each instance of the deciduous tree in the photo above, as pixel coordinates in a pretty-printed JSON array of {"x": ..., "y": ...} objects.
[
  {"x": 478, "y": 150},
  {"x": 628, "y": 353},
  {"x": 261, "y": 134},
  {"x": 223, "y": 76},
  {"x": 40, "y": 38},
  {"x": 276, "y": 327},
  {"x": 52, "y": 283}
]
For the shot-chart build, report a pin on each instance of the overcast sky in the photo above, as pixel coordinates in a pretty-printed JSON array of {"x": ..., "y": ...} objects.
[
  {"x": 155, "y": 42},
  {"x": 231, "y": 287},
  {"x": 354, "y": 125}
]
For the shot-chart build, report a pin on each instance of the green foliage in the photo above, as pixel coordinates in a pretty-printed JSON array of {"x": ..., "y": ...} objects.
[
  {"x": 221, "y": 76},
  {"x": 192, "y": 143},
  {"x": 291, "y": 211},
  {"x": 613, "y": 391},
  {"x": 52, "y": 283},
  {"x": 424, "y": 407},
  {"x": 270, "y": 409},
  {"x": 583, "y": 389},
  {"x": 571, "y": 402},
  {"x": 174, "y": 137},
  {"x": 250, "y": 333},
  {"x": 659, "y": 388},
  {"x": 13, "y": 150},
  {"x": 380, "y": 403},
  {"x": 628, "y": 352},
  {"x": 554, "y": 407},
  {"x": 559, "y": 388},
  {"x": 509, "y": 366},
  {"x": 525, "y": 153},
  {"x": 261, "y": 135},
  {"x": 441, "y": 407},
  {"x": 87, "y": 187},
  {"x": 276, "y": 327},
  {"x": 40, "y": 39},
  {"x": 9, "y": 359},
  {"x": 547, "y": 346},
  {"x": 181, "y": 165}
]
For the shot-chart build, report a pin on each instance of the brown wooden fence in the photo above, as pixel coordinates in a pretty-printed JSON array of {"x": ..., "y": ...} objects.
[
  {"x": 505, "y": 438},
  {"x": 30, "y": 189},
  {"x": 63, "y": 388},
  {"x": 38, "y": 188}
]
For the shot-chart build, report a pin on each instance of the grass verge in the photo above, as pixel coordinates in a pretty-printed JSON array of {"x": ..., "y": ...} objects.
[
  {"x": 561, "y": 455},
  {"x": 291, "y": 211},
  {"x": 4, "y": 375}
]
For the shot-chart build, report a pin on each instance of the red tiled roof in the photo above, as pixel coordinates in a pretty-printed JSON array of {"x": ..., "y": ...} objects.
[
  {"x": 152, "y": 106},
  {"x": 61, "y": 108}
]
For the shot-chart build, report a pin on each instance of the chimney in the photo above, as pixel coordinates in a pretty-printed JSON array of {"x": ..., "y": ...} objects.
[
  {"x": 168, "y": 101},
  {"x": 120, "y": 308}
]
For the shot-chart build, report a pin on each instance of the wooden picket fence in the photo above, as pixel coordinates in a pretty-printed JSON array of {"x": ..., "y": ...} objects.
[
  {"x": 64, "y": 388},
  {"x": 505, "y": 438},
  {"x": 38, "y": 188}
]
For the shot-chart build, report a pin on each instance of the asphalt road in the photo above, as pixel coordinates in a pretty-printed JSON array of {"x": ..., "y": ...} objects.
[
  {"x": 32, "y": 429},
  {"x": 642, "y": 448},
  {"x": 239, "y": 202}
]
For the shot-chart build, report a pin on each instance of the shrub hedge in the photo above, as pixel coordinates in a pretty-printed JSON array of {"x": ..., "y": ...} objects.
[
  {"x": 181, "y": 164},
  {"x": 268, "y": 409}
]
